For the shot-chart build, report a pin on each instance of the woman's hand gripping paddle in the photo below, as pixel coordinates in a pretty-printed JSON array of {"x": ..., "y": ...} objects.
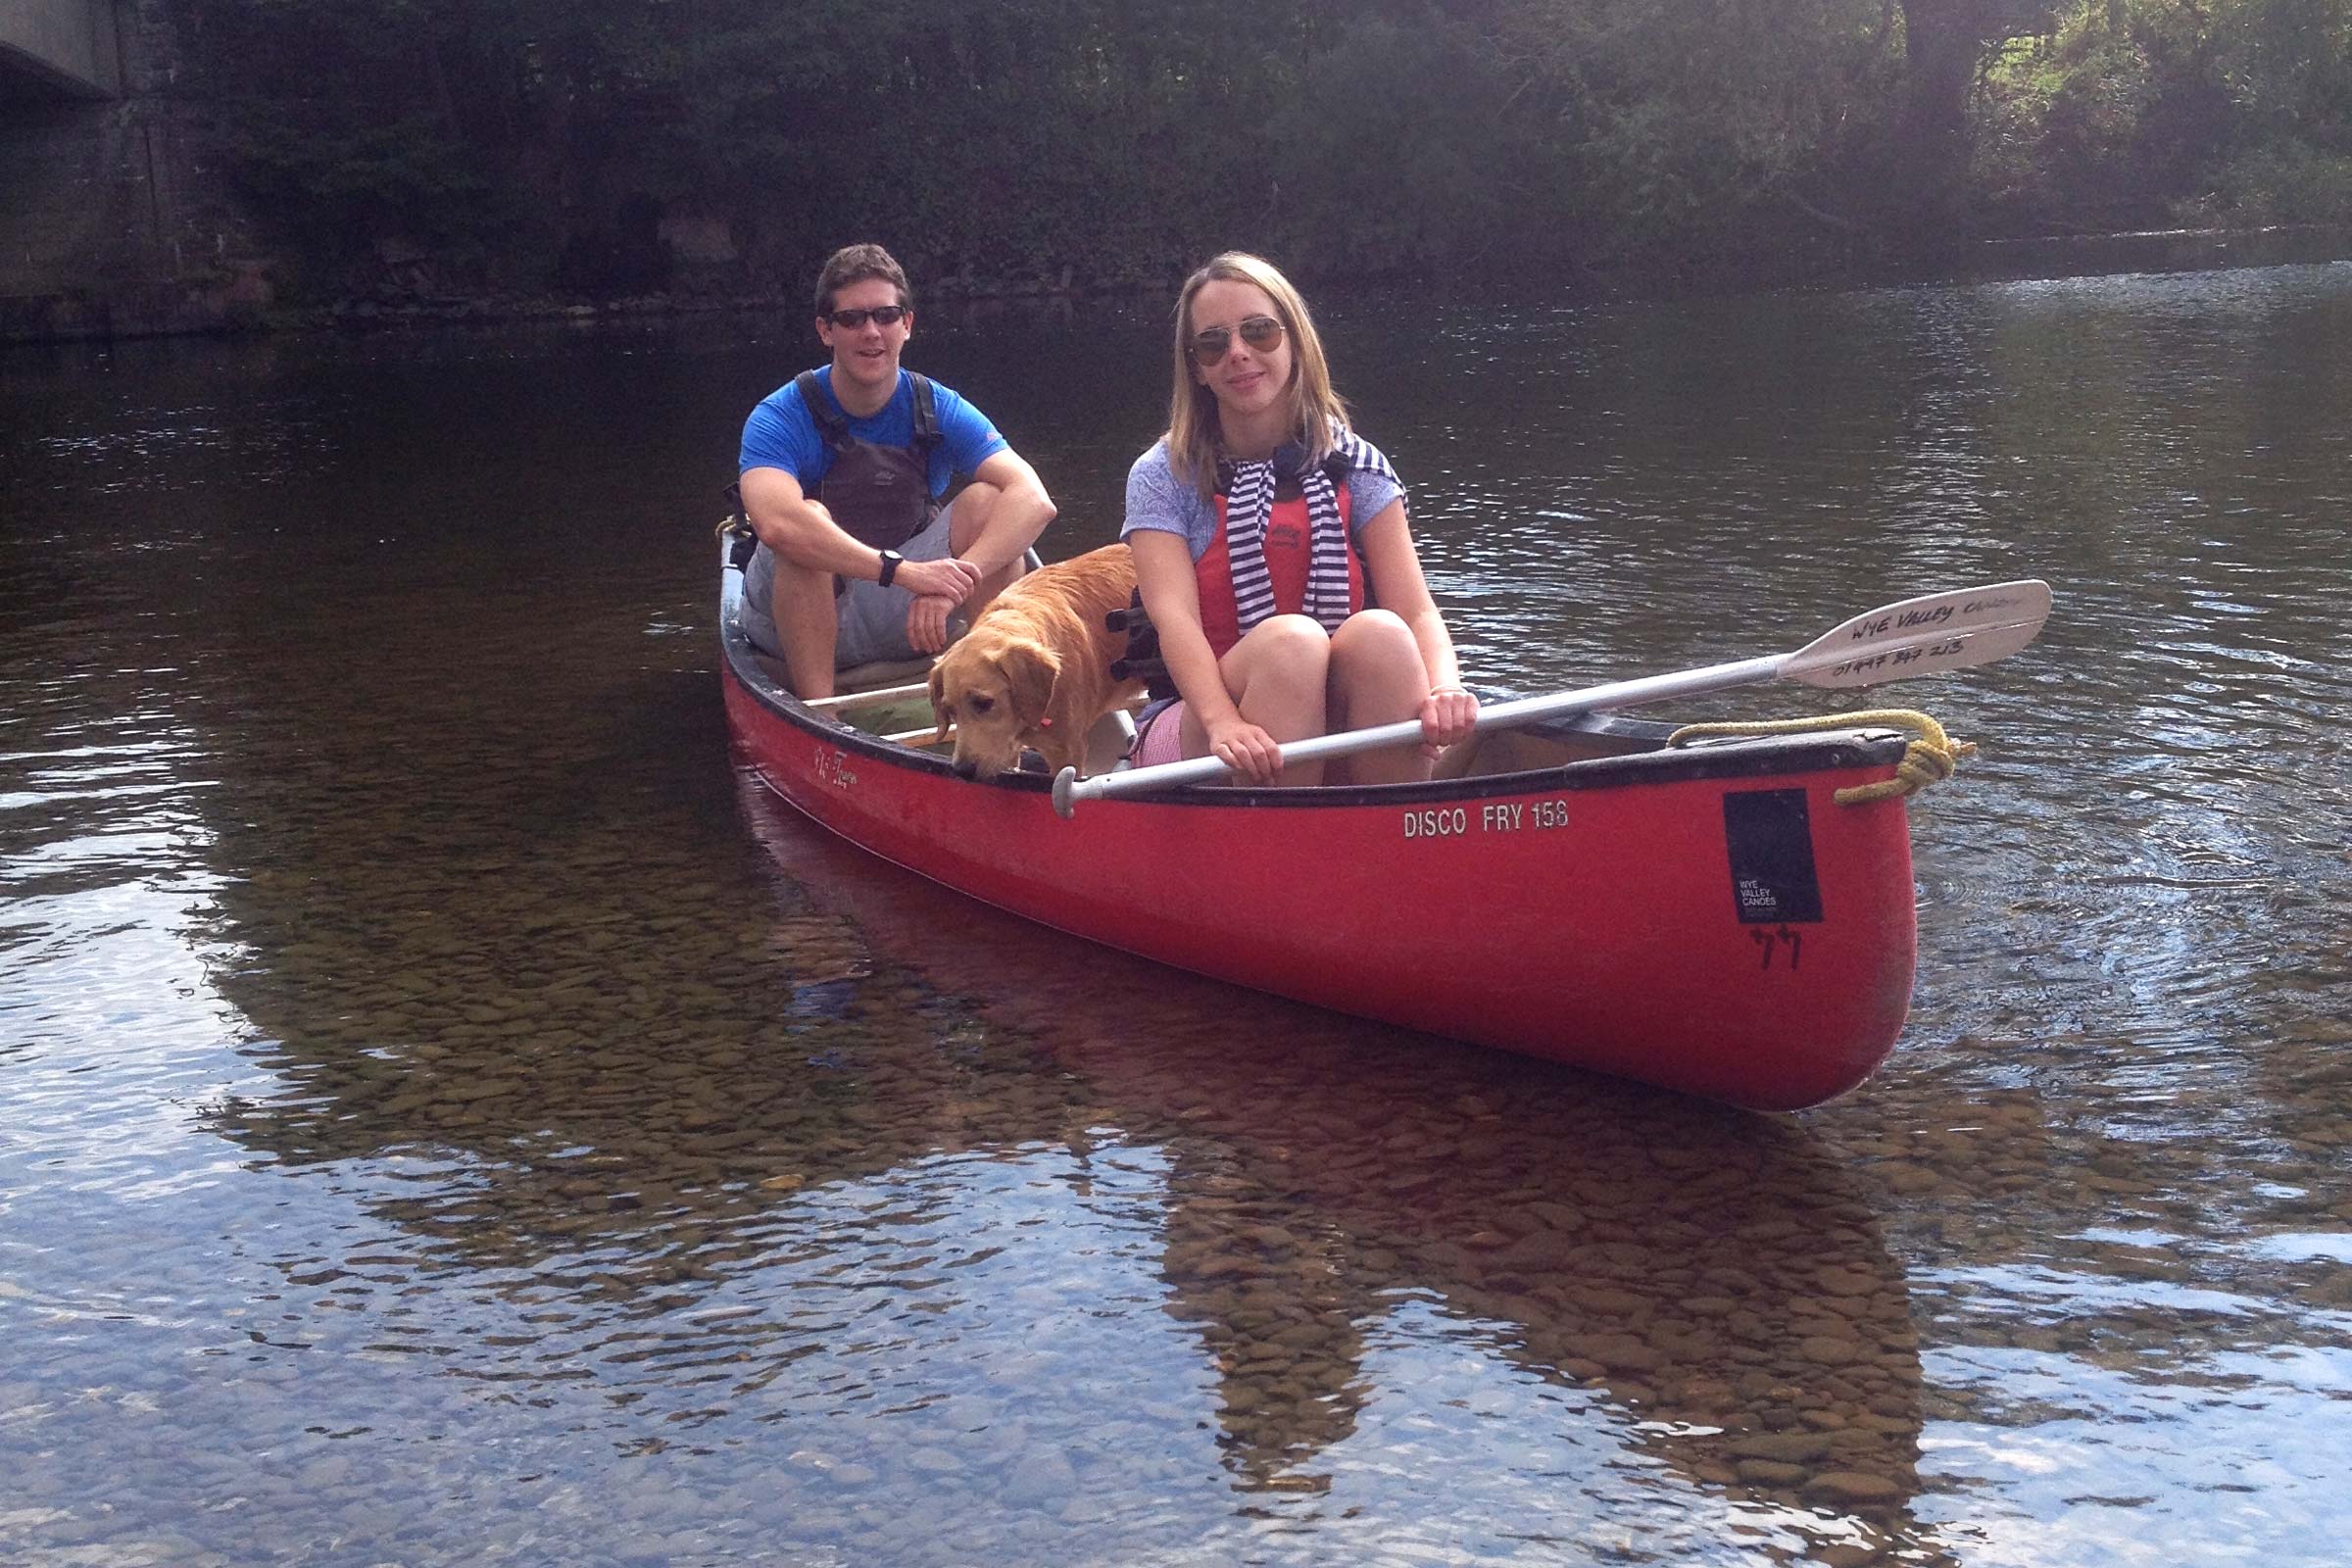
[{"x": 1923, "y": 636}]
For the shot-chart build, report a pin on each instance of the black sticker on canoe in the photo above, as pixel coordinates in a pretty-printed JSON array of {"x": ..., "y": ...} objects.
[{"x": 1771, "y": 842}]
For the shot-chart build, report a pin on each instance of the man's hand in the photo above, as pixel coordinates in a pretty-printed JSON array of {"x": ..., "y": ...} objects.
[
  {"x": 938, "y": 586},
  {"x": 927, "y": 623},
  {"x": 950, "y": 579}
]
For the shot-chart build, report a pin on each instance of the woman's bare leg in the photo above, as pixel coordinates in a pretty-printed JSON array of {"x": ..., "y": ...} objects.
[
  {"x": 1278, "y": 676},
  {"x": 1377, "y": 677}
]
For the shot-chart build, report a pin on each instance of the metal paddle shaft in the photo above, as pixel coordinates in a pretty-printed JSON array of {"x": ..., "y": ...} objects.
[{"x": 1923, "y": 636}]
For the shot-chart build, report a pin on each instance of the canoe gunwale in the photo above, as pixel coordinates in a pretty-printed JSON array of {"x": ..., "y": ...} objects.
[{"x": 1761, "y": 757}]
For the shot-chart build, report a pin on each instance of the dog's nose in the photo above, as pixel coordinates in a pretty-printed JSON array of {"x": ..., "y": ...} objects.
[{"x": 965, "y": 769}]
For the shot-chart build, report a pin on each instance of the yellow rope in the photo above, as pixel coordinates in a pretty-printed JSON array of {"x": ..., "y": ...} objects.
[{"x": 1930, "y": 759}]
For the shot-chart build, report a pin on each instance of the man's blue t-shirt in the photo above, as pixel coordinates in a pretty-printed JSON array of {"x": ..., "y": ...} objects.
[{"x": 782, "y": 434}]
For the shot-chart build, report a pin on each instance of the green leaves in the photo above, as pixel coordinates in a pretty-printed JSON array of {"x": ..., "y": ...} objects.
[
  {"x": 997, "y": 142},
  {"x": 2132, "y": 112}
]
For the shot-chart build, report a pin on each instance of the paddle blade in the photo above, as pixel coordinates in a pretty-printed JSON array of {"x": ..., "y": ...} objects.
[{"x": 1925, "y": 636}]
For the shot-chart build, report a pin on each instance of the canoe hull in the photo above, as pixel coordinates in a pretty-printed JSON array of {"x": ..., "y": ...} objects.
[{"x": 1717, "y": 924}]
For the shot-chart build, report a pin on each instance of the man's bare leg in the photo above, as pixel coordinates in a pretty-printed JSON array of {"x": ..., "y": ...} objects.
[{"x": 806, "y": 629}]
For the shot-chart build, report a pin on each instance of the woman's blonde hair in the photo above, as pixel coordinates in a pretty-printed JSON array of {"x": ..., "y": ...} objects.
[{"x": 1193, "y": 436}]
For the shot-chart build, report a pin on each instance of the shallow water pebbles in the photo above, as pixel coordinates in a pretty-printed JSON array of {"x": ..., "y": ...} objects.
[
  {"x": 1856, "y": 1487},
  {"x": 1607, "y": 1301},
  {"x": 1786, "y": 1447},
  {"x": 2332, "y": 1289},
  {"x": 1768, "y": 1471},
  {"x": 935, "y": 1460},
  {"x": 1039, "y": 1474},
  {"x": 1827, "y": 1350},
  {"x": 1618, "y": 1352}
]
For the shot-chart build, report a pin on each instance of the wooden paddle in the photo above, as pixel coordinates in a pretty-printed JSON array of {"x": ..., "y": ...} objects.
[{"x": 1923, "y": 636}]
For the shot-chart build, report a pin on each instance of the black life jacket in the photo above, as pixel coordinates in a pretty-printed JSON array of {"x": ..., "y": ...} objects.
[{"x": 880, "y": 495}]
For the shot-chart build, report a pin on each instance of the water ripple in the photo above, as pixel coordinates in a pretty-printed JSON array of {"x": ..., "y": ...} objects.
[{"x": 452, "y": 1117}]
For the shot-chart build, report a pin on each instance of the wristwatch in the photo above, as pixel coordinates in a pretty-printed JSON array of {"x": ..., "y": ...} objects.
[{"x": 892, "y": 560}]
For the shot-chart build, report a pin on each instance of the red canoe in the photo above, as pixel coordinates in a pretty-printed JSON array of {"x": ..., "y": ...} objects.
[{"x": 1709, "y": 918}]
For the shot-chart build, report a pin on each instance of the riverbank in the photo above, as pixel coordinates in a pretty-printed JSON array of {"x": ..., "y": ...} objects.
[
  {"x": 238, "y": 300},
  {"x": 241, "y": 296}
]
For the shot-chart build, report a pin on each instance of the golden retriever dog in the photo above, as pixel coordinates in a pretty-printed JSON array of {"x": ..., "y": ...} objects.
[{"x": 1034, "y": 669}]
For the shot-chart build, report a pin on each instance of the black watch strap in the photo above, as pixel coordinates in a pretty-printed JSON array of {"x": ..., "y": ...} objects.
[{"x": 891, "y": 562}]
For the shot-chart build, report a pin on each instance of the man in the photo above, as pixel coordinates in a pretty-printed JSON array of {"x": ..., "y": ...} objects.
[{"x": 843, "y": 472}]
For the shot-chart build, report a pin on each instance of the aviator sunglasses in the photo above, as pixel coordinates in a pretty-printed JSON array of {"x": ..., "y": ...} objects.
[
  {"x": 886, "y": 315},
  {"x": 1261, "y": 332}
]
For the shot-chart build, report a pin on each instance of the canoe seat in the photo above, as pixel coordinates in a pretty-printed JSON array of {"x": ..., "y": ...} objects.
[
  {"x": 874, "y": 676},
  {"x": 1107, "y": 742},
  {"x": 857, "y": 677},
  {"x": 1579, "y": 738}
]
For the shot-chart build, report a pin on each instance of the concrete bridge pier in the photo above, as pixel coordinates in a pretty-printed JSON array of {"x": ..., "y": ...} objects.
[
  {"x": 70, "y": 45},
  {"x": 113, "y": 220}
]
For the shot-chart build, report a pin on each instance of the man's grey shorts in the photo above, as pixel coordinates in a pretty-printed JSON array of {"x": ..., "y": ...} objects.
[{"x": 872, "y": 619}]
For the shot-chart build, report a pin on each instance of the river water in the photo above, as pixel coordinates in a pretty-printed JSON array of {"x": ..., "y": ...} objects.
[{"x": 448, "y": 1116}]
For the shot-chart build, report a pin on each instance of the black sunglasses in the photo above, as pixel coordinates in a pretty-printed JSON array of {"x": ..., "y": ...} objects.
[
  {"x": 887, "y": 314},
  {"x": 1261, "y": 332}
]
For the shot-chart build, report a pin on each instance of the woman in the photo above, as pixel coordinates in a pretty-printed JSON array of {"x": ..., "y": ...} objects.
[{"x": 1264, "y": 529}]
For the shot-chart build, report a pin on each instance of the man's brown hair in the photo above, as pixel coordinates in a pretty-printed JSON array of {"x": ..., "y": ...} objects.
[{"x": 855, "y": 264}]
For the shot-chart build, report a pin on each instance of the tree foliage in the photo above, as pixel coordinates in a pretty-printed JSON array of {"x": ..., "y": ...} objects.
[
  {"x": 610, "y": 146},
  {"x": 2130, "y": 113},
  {"x": 1709, "y": 126}
]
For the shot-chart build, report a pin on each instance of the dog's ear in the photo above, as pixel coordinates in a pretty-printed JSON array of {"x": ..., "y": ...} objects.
[
  {"x": 1030, "y": 670},
  {"x": 938, "y": 710}
]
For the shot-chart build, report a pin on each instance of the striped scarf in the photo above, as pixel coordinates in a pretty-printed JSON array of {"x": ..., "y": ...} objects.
[{"x": 1249, "y": 505}]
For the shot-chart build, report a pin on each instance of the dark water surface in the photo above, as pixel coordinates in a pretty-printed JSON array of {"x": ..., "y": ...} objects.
[{"x": 447, "y": 1116}]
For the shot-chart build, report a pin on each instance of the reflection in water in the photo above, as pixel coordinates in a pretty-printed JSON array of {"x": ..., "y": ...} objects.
[
  {"x": 453, "y": 1118},
  {"x": 1713, "y": 1274}
]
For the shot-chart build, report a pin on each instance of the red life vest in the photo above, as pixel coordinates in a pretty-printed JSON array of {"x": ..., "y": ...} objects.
[{"x": 1286, "y": 558}]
